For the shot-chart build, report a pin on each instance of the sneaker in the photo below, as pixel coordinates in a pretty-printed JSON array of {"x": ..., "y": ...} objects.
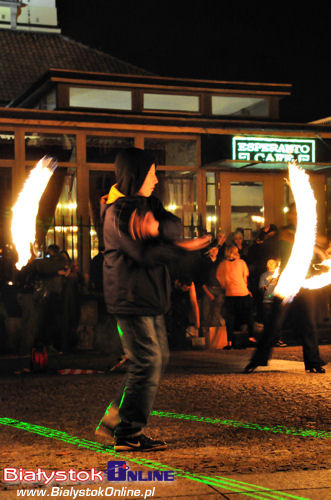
[
  {"x": 139, "y": 443},
  {"x": 250, "y": 368},
  {"x": 316, "y": 369},
  {"x": 104, "y": 435}
]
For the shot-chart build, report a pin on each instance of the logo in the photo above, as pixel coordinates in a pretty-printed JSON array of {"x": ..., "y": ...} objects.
[{"x": 117, "y": 470}]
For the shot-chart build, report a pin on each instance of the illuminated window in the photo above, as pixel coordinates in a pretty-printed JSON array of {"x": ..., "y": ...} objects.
[
  {"x": 100, "y": 149},
  {"x": 61, "y": 146},
  {"x": 81, "y": 97},
  {"x": 247, "y": 205},
  {"x": 177, "y": 191},
  {"x": 7, "y": 145},
  {"x": 173, "y": 152},
  {"x": 239, "y": 106},
  {"x": 63, "y": 224},
  {"x": 170, "y": 102},
  {"x": 211, "y": 217}
]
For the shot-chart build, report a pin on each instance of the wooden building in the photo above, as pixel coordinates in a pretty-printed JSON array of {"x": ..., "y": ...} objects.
[{"x": 221, "y": 151}]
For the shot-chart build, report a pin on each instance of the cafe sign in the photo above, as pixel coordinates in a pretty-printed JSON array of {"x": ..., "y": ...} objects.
[{"x": 273, "y": 149}]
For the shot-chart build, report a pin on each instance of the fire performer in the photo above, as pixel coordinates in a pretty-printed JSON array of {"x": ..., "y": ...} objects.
[
  {"x": 302, "y": 307},
  {"x": 140, "y": 236}
]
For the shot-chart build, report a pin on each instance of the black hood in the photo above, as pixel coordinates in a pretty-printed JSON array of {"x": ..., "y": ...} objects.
[{"x": 131, "y": 167}]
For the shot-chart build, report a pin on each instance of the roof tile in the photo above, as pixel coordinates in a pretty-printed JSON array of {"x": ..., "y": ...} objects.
[{"x": 26, "y": 56}]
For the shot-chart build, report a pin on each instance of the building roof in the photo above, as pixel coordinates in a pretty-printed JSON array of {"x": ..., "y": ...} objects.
[
  {"x": 153, "y": 122},
  {"x": 323, "y": 121},
  {"x": 26, "y": 56}
]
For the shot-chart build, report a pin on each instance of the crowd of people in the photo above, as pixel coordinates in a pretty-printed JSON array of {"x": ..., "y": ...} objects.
[
  {"x": 224, "y": 285},
  {"x": 230, "y": 283}
]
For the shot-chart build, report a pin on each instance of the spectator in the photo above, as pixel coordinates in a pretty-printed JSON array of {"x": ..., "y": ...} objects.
[
  {"x": 238, "y": 241},
  {"x": 267, "y": 283},
  {"x": 96, "y": 273},
  {"x": 184, "y": 312},
  {"x": 44, "y": 278},
  {"x": 212, "y": 298},
  {"x": 221, "y": 245},
  {"x": 72, "y": 285},
  {"x": 264, "y": 248},
  {"x": 232, "y": 275}
]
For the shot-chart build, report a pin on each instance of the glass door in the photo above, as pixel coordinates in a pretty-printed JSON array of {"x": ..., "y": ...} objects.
[
  {"x": 248, "y": 201},
  {"x": 247, "y": 207}
]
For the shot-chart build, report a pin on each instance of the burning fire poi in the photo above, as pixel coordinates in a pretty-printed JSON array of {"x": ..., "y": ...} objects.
[
  {"x": 23, "y": 227},
  {"x": 294, "y": 274},
  {"x": 319, "y": 280}
]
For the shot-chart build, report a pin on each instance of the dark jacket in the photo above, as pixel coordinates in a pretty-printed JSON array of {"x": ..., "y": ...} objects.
[{"x": 135, "y": 276}]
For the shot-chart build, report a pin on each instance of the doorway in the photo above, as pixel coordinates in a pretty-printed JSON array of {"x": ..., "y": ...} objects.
[{"x": 250, "y": 200}]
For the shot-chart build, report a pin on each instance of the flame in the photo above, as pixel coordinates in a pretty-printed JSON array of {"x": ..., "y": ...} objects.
[
  {"x": 276, "y": 273},
  {"x": 23, "y": 227},
  {"x": 294, "y": 274},
  {"x": 319, "y": 280}
]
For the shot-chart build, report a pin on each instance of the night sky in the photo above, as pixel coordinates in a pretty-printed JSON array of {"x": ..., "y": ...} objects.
[{"x": 261, "y": 42}]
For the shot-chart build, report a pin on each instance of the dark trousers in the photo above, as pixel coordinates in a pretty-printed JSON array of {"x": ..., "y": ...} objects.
[
  {"x": 238, "y": 310},
  {"x": 144, "y": 341},
  {"x": 303, "y": 310}
]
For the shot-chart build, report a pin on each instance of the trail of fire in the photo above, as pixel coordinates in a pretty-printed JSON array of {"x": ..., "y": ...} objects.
[
  {"x": 294, "y": 274},
  {"x": 23, "y": 227},
  {"x": 319, "y": 280}
]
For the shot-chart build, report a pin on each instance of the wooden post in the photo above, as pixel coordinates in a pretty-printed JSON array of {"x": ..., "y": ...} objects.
[
  {"x": 139, "y": 141},
  {"x": 225, "y": 189},
  {"x": 201, "y": 186},
  {"x": 83, "y": 196},
  {"x": 273, "y": 192},
  {"x": 18, "y": 172}
]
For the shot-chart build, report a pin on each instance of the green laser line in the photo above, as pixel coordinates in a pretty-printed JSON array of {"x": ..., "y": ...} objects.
[
  {"x": 247, "y": 489},
  {"x": 122, "y": 400},
  {"x": 278, "y": 429}
]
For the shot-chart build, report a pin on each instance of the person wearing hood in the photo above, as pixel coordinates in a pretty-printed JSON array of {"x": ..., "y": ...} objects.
[{"x": 140, "y": 237}]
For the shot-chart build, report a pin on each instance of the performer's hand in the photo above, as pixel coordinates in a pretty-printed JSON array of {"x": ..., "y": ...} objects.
[
  {"x": 144, "y": 226},
  {"x": 195, "y": 244},
  {"x": 150, "y": 226},
  {"x": 104, "y": 199},
  {"x": 64, "y": 272}
]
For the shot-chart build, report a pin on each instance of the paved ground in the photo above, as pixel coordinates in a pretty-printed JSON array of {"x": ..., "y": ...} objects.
[{"x": 266, "y": 429}]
